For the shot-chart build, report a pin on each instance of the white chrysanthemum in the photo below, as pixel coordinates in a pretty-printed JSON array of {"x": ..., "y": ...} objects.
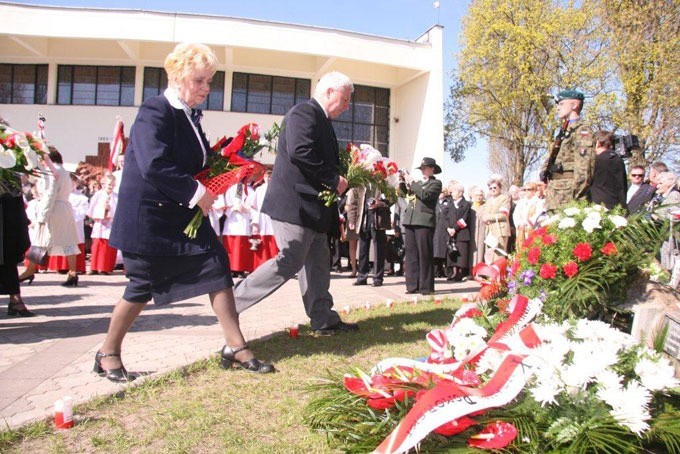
[
  {"x": 545, "y": 391},
  {"x": 631, "y": 407},
  {"x": 572, "y": 211},
  {"x": 467, "y": 345},
  {"x": 566, "y": 223},
  {"x": 656, "y": 373},
  {"x": 551, "y": 220},
  {"x": 576, "y": 377},
  {"x": 618, "y": 221},
  {"x": 490, "y": 361},
  {"x": 589, "y": 224},
  {"x": 608, "y": 379},
  {"x": 465, "y": 328},
  {"x": 7, "y": 158}
]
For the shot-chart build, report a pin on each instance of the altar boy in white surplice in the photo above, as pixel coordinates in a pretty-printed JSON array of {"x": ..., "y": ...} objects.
[
  {"x": 262, "y": 241},
  {"x": 239, "y": 201}
]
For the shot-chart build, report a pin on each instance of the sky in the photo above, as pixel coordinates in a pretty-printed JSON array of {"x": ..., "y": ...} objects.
[{"x": 405, "y": 19}]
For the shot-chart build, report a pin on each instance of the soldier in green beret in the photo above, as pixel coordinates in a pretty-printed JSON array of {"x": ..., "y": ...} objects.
[{"x": 568, "y": 170}]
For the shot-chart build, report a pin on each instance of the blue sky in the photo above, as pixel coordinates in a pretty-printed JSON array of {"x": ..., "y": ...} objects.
[{"x": 406, "y": 19}]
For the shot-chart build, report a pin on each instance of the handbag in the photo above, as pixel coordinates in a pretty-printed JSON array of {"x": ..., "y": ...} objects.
[
  {"x": 451, "y": 249},
  {"x": 38, "y": 253},
  {"x": 491, "y": 240}
]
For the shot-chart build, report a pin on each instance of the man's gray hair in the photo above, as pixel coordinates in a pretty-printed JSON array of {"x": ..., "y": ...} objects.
[{"x": 334, "y": 80}]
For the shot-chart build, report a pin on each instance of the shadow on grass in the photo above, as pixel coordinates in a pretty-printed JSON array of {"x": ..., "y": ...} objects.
[{"x": 375, "y": 330}]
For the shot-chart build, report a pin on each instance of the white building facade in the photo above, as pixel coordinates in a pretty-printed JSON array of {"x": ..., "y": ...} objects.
[{"x": 82, "y": 68}]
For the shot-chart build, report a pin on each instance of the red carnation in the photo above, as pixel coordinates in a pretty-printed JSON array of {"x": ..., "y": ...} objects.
[
  {"x": 515, "y": 267},
  {"x": 533, "y": 255},
  {"x": 549, "y": 239},
  {"x": 609, "y": 249},
  {"x": 570, "y": 269},
  {"x": 583, "y": 252},
  {"x": 548, "y": 271}
]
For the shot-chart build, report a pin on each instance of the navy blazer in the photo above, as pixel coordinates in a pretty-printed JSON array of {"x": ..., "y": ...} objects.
[
  {"x": 160, "y": 161},
  {"x": 306, "y": 163}
]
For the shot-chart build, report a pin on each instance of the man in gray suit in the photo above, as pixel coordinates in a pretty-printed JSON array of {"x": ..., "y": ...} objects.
[{"x": 306, "y": 164}]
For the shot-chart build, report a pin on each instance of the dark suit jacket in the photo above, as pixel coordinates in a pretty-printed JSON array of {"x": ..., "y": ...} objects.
[
  {"x": 641, "y": 198},
  {"x": 420, "y": 211},
  {"x": 461, "y": 220},
  {"x": 306, "y": 163},
  {"x": 609, "y": 183},
  {"x": 161, "y": 159}
]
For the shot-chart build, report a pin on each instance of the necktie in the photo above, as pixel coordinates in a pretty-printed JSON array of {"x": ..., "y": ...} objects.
[{"x": 196, "y": 115}]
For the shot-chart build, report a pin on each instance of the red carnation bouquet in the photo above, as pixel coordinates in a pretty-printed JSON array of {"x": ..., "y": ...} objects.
[
  {"x": 231, "y": 162},
  {"x": 363, "y": 166}
]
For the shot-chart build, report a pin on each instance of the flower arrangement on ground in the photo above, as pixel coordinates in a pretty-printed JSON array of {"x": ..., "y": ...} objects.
[
  {"x": 363, "y": 165},
  {"x": 20, "y": 153},
  {"x": 525, "y": 369},
  {"x": 230, "y": 161},
  {"x": 513, "y": 384},
  {"x": 580, "y": 261}
]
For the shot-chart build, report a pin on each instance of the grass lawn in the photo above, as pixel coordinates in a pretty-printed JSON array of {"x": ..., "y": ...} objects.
[{"x": 204, "y": 409}]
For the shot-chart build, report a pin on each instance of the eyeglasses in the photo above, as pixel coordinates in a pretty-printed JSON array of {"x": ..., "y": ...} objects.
[
  {"x": 637, "y": 175},
  {"x": 493, "y": 187},
  {"x": 528, "y": 189}
]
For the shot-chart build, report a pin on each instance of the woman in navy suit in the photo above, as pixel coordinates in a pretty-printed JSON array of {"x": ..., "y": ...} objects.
[{"x": 157, "y": 199}]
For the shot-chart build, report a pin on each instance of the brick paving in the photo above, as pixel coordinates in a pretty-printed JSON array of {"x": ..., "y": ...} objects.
[{"x": 50, "y": 356}]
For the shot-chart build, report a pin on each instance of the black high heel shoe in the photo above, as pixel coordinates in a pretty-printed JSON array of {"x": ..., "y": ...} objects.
[
  {"x": 119, "y": 375},
  {"x": 253, "y": 365},
  {"x": 28, "y": 278},
  {"x": 71, "y": 281},
  {"x": 12, "y": 310}
]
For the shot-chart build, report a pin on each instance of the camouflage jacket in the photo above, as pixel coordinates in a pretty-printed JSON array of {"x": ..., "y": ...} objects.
[{"x": 576, "y": 159}]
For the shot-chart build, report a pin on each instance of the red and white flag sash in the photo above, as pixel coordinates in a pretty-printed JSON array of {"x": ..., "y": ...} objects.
[{"x": 449, "y": 401}]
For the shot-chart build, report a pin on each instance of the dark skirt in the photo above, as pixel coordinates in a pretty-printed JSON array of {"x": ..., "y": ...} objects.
[
  {"x": 462, "y": 259},
  {"x": 176, "y": 278}
]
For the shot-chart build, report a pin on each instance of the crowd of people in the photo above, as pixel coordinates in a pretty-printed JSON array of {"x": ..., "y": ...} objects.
[{"x": 281, "y": 229}]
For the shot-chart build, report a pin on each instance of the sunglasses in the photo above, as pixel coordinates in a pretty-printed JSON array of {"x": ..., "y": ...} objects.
[
  {"x": 493, "y": 187},
  {"x": 637, "y": 175}
]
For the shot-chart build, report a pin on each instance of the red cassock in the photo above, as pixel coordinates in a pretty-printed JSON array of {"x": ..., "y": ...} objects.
[
  {"x": 103, "y": 258},
  {"x": 59, "y": 263},
  {"x": 240, "y": 255},
  {"x": 266, "y": 249}
]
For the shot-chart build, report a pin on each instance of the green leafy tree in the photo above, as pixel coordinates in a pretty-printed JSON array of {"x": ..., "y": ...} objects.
[{"x": 643, "y": 48}]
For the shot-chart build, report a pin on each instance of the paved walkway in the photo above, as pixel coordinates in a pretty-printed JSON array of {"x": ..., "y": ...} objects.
[{"x": 51, "y": 355}]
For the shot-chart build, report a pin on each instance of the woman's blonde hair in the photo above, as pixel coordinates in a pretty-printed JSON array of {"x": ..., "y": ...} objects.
[{"x": 187, "y": 58}]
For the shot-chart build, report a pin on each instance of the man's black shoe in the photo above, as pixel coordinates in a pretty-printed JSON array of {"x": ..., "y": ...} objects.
[
  {"x": 377, "y": 284},
  {"x": 411, "y": 292},
  {"x": 359, "y": 283},
  {"x": 340, "y": 327}
]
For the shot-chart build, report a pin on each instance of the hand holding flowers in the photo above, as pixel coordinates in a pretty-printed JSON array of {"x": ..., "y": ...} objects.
[{"x": 363, "y": 166}]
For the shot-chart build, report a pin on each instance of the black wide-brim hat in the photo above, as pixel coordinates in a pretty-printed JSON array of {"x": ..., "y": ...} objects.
[{"x": 430, "y": 162}]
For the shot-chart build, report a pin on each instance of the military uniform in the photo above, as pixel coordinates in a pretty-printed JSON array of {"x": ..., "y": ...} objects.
[{"x": 572, "y": 171}]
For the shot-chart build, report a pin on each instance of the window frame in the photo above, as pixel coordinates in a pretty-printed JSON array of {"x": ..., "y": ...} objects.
[
  {"x": 124, "y": 88},
  {"x": 302, "y": 90},
  {"x": 40, "y": 71}
]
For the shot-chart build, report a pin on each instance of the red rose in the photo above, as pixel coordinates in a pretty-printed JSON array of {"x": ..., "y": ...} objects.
[
  {"x": 570, "y": 269},
  {"x": 583, "y": 252},
  {"x": 609, "y": 249},
  {"x": 533, "y": 255},
  {"x": 548, "y": 271},
  {"x": 549, "y": 239}
]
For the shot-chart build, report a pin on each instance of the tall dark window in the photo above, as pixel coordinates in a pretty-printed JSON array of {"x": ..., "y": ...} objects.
[
  {"x": 258, "y": 93},
  {"x": 23, "y": 84},
  {"x": 156, "y": 80},
  {"x": 367, "y": 120},
  {"x": 96, "y": 85}
]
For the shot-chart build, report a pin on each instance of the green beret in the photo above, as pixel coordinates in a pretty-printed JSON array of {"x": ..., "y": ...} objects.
[{"x": 570, "y": 94}]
